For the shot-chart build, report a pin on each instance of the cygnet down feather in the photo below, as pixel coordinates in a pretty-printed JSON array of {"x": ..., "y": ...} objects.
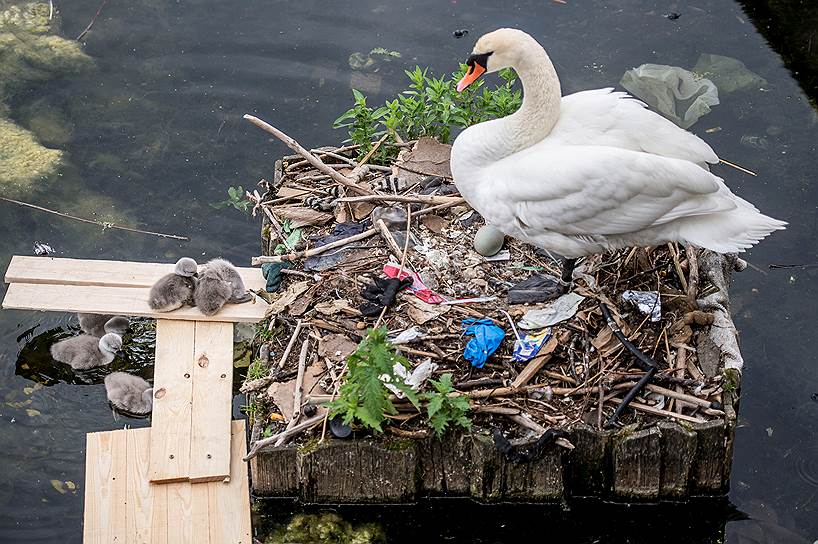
[
  {"x": 219, "y": 283},
  {"x": 86, "y": 351},
  {"x": 173, "y": 291},
  {"x": 99, "y": 324},
  {"x": 129, "y": 393}
]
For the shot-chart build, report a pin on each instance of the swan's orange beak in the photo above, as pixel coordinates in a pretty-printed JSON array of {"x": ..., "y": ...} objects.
[{"x": 475, "y": 71}]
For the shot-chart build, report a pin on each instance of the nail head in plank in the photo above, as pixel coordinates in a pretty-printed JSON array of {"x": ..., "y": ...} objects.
[
  {"x": 212, "y": 402},
  {"x": 62, "y": 271},
  {"x": 172, "y": 393},
  {"x": 117, "y": 300}
]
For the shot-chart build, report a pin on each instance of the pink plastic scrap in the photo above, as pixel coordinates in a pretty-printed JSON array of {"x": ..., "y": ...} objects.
[{"x": 418, "y": 287}]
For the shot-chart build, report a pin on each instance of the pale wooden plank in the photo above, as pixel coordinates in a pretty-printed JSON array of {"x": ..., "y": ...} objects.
[
  {"x": 58, "y": 270},
  {"x": 200, "y": 515},
  {"x": 105, "y": 518},
  {"x": 230, "y": 501},
  {"x": 173, "y": 388},
  {"x": 117, "y": 300},
  {"x": 140, "y": 492},
  {"x": 159, "y": 515},
  {"x": 180, "y": 513},
  {"x": 212, "y": 402}
]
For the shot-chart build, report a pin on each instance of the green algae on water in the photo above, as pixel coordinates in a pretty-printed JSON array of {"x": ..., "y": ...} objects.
[
  {"x": 327, "y": 528},
  {"x": 23, "y": 161}
]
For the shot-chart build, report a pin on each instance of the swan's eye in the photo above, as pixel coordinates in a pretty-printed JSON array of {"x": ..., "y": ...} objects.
[{"x": 481, "y": 60}]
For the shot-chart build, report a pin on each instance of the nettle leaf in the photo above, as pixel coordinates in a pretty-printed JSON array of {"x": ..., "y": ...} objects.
[{"x": 443, "y": 409}]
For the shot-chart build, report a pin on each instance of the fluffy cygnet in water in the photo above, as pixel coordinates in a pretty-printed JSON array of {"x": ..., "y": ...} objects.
[
  {"x": 98, "y": 324},
  {"x": 86, "y": 351},
  {"x": 129, "y": 393},
  {"x": 219, "y": 283},
  {"x": 174, "y": 290}
]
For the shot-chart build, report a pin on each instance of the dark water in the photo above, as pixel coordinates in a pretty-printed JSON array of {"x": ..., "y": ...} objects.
[{"x": 158, "y": 136}]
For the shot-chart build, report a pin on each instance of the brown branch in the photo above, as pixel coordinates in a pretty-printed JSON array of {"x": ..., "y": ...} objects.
[
  {"x": 103, "y": 224},
  {"x": 93, "y": 20},
  {"x": 314, "y": 251},
  {"x": 313, "y": 160}
]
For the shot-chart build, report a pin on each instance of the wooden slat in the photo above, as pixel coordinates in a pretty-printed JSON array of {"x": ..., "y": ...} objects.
[
  {"x": 27, "y": 269},
  {"x": 118, "y": 497},
  {"x": 230, "y": 513},
  {"x": 116, "y": 300},
  {"x": 140, "y": 494},
  {"x": 212, "y": 394},
  {"x": 173, "y": 390},
  {"x": 105, "y": 473}
]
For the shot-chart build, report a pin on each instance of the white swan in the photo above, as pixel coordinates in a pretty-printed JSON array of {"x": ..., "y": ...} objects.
[{"x": 593, "y": 171}]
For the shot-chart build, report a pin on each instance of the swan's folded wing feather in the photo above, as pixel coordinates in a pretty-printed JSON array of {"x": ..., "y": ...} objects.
[
  {"x": 614, "y": 118},
  {"x": 589, "y": 190}
]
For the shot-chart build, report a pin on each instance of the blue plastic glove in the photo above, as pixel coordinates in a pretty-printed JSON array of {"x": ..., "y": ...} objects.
[{"x": 487, "y": 338}]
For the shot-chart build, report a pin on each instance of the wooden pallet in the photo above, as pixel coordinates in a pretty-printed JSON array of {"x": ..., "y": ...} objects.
[
  {"x": 163, "y": 484},
  {"x": 121, "y": 505}
]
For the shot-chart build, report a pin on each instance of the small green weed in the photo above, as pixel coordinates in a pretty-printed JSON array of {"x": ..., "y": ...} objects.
[
  {"x": 442, "y": 409},
  {"x": 257, "y": 370},
  {"x": 253, "y": 410},
  {"x": 293, "y": 237},
  {"x": 363, "y": 396},
  {"x": 429, "y": 107},
  {"x": 236, "y": 198}
]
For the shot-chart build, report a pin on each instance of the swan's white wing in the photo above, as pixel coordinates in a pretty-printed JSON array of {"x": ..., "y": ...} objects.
[
  {"x": 615, "y": 119},
  {"x": 596, "y": 190}
]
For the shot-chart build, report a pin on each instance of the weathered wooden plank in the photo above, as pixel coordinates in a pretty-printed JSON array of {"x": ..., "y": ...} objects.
[
  {"x": 200, "y": 514},
  {"x": 173, "y": 389},
  {"x": 275, "y": 472},
  {"x": 230, "y": 501},
  {"x": 678, "y": 452},
  {"x": 116, "y": 300},
  {"x": 61, "y": 271},
  {"x": 443, "y": 465},
  {"x": 140, "y": 495},
  {"x": 706, "y": 474},
  {"x": 105, "y": 518},
  {"x": 637, "y": 464},
  {"x": 358, "y": 470},
  {"x": 212, "y": 394},
  {"x": 589, "y": 461}
]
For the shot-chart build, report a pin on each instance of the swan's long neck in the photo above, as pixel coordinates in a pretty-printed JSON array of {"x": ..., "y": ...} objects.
[{"x": 541, "y": 102}]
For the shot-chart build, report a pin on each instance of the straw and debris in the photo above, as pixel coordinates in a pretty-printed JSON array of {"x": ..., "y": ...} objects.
[{"x": 336, "y": 229}]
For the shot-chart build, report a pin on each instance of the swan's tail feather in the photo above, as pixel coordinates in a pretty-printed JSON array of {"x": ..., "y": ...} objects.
[{"x": 731, "y": 232}]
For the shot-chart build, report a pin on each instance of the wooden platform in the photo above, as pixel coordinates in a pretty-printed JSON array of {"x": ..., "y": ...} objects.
[
  {"x": 122, "y": 506},
  {"x": 167, "y": 483}
]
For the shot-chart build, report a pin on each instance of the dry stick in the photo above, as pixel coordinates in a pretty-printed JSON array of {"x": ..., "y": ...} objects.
[
  {"x": 693, "y": 267},
  {"x": 737, "y": 167},
  {"x": 439, "y": 207},
  {"x": 315, "y": 161},
  {"x": 658, "y": 412},
  {"x": 102, "y": 224},
  {"x": 314, "y": 251},
  {"x": 372, "y": 151},
  {"x": 415, "y": 199},
  {"x": 677, "y": 265},
  {"x": 403, "y": 257},
  {"x": 93, "y": 20},
  {"x": 290, "y": 344},
  {"x": 276, "y": 226},
  {"x": 298, "y": 393},
  {"x": 704, "y": 403},
  {"x": 388, "y": 238},
  {"x": 287, "y": 433},
  {"x": 418, "y": 172}
]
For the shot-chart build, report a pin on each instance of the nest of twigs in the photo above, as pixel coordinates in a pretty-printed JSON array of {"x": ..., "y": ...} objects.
[{"x": 580, "y": 375}]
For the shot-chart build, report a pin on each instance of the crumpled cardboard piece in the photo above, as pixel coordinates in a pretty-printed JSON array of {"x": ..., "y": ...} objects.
[{"x": 428, "y": 156}]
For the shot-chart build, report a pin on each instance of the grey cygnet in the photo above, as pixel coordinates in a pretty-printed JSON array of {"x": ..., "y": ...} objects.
[
  {"x": 129, "y": 393},
  {"x": 86, "y": 351},
  {"x": 99, "y": 324},
  {"x": 219, "y": 283},
  {"x": 174, "y": 290}
]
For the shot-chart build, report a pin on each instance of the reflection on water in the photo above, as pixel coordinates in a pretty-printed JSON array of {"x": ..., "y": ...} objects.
[{"x": 154, "y": 134}]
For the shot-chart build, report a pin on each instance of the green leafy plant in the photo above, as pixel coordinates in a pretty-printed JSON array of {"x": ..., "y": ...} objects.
[
  {"x": 293, "y": 237},
  {"x": 253, "y": 410},
  {"x": 257, "y": 370},
  {"x": 363, "y": 397},
  {"x": 236, "y": 198},
  {"x": 430, "y": 107},
  {"x": 442, "y": 409}
]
